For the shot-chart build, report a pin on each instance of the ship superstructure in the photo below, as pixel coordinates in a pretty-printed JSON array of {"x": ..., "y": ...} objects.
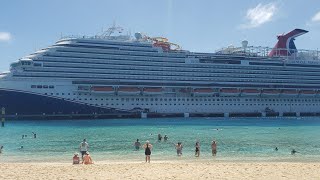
[{"x": 123, "y": 75}]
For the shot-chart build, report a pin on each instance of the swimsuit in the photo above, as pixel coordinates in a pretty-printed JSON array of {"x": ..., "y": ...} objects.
[{"x": 147, "y": 152}]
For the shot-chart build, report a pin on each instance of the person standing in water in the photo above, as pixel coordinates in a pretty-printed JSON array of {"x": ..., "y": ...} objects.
[
  {"x": 147, "y": 152},
  {"x": 214, "y": 148},
  {"x": 34, "y": 135},
  {"x": 159, "y": 137},
  {"x": 137, "y": 145},
  {"x": 197, "y": 152},
  {"x": 165, "y": 138},
  {"x": 84, "y": 146},
  {"x": 179, "y": 148}
]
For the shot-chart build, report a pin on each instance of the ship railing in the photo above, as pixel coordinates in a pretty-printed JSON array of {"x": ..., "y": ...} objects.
[
  {"x": 280, "y": 53},
  {"x": 120, "y": 37}
]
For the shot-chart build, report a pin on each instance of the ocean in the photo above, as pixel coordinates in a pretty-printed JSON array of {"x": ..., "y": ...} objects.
[{"x": 238, "y": 139}]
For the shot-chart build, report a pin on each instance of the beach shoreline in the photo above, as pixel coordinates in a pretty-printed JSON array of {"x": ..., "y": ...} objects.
[{"x": 162, "y": 170}]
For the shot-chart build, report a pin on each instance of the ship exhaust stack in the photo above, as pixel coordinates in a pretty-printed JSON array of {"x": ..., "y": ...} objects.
[{"x": 285, "y": 45}]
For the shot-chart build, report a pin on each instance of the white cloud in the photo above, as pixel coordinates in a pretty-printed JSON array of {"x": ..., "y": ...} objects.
[
  {"x": 316, "y": 17},
  {"x": 259, "y": 15},
  {"x": 5, "y": 36}
]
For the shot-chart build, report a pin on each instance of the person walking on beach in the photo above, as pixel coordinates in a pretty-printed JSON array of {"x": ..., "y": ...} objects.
[
  {"x": 137, "y": 145},
  {"x": 84, "y": 146},
  {"x": 197, "y": 152},
  {"x": 214, "y": 148},
  {"x": 147, "y": 147},
  {"x": 179, "y": 148}
]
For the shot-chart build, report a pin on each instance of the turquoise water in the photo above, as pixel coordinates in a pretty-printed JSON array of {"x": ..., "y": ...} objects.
[{"x": 243, "y": 139}]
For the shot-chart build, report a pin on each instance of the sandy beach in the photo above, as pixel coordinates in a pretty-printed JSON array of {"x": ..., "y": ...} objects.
[{"x": 162, "y": 170}]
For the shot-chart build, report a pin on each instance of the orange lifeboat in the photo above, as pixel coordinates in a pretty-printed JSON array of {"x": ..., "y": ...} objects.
[
  {"x": 128, "y": 90},
  {"x": 289, "y": 92},
  {"x": 306, "y": 93},
  {"x": 203, "y": 91},
  {"x": 152, "y": 90},
  {"x": 229, "y": 92},
  {"x": 271, "y": 92},
  {"x": 102, "y": 89},
  {"x": 250, "y": 92}
]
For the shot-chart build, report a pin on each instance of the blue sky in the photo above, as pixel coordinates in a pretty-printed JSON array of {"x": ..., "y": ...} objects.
[{"x": 202, "y": 25}]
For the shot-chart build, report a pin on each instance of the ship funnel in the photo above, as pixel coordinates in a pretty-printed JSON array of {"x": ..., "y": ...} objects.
[{"x": 285, "y": 45}]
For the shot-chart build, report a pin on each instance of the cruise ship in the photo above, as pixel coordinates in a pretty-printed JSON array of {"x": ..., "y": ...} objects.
[{"x": 116, "y": 74}]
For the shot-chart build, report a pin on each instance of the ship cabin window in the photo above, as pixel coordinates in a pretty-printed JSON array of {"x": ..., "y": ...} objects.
[
  {"x": 51, "y": 87},
  {"x": 33, "y": 86},
  {"x": 39, "y": 86},
  {"x": 45, "y": 86},
  {"x": 26, "y": 62},
  {"x": 37, "y": 64}
]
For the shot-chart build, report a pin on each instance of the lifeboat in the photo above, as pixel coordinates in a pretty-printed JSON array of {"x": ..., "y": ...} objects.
[
  {"x": 164, "y": 45},
  {"x": 152, "y": 90},
  {"x": 307, "y": 93},
  {"x": 250, "y": 92},
  {"x": 289, "y": 92},
  {"x": 229, "y": 92},
  {"x": 102, "y": 89},
  {"x": 203, "y": 91},
  {"x": 270, "y": 92},
  {"x": 129, "y": 91}
]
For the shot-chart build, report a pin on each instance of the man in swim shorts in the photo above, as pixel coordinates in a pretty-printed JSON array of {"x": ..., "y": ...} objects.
[
  {"x": 84, "y": 146},
  {"x": 179, "y": 148}
]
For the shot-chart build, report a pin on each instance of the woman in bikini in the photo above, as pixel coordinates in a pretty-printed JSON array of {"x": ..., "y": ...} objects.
[
  {"x": 147, "y": 147},
  {"x": 87, "y": 159}
]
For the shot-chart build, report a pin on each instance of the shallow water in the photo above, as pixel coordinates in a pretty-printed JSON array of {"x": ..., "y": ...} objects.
[{"x": 243, "y": 139}]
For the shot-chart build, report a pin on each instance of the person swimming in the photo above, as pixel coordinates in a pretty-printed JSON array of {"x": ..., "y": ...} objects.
[
  {"x": 137, "y": 145},
  {"x": 165, "y": 138},
  {"x": 293, "y": 152},
  {"x": 276, "y": 149},
  {"x": 34, "y": 135}
]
